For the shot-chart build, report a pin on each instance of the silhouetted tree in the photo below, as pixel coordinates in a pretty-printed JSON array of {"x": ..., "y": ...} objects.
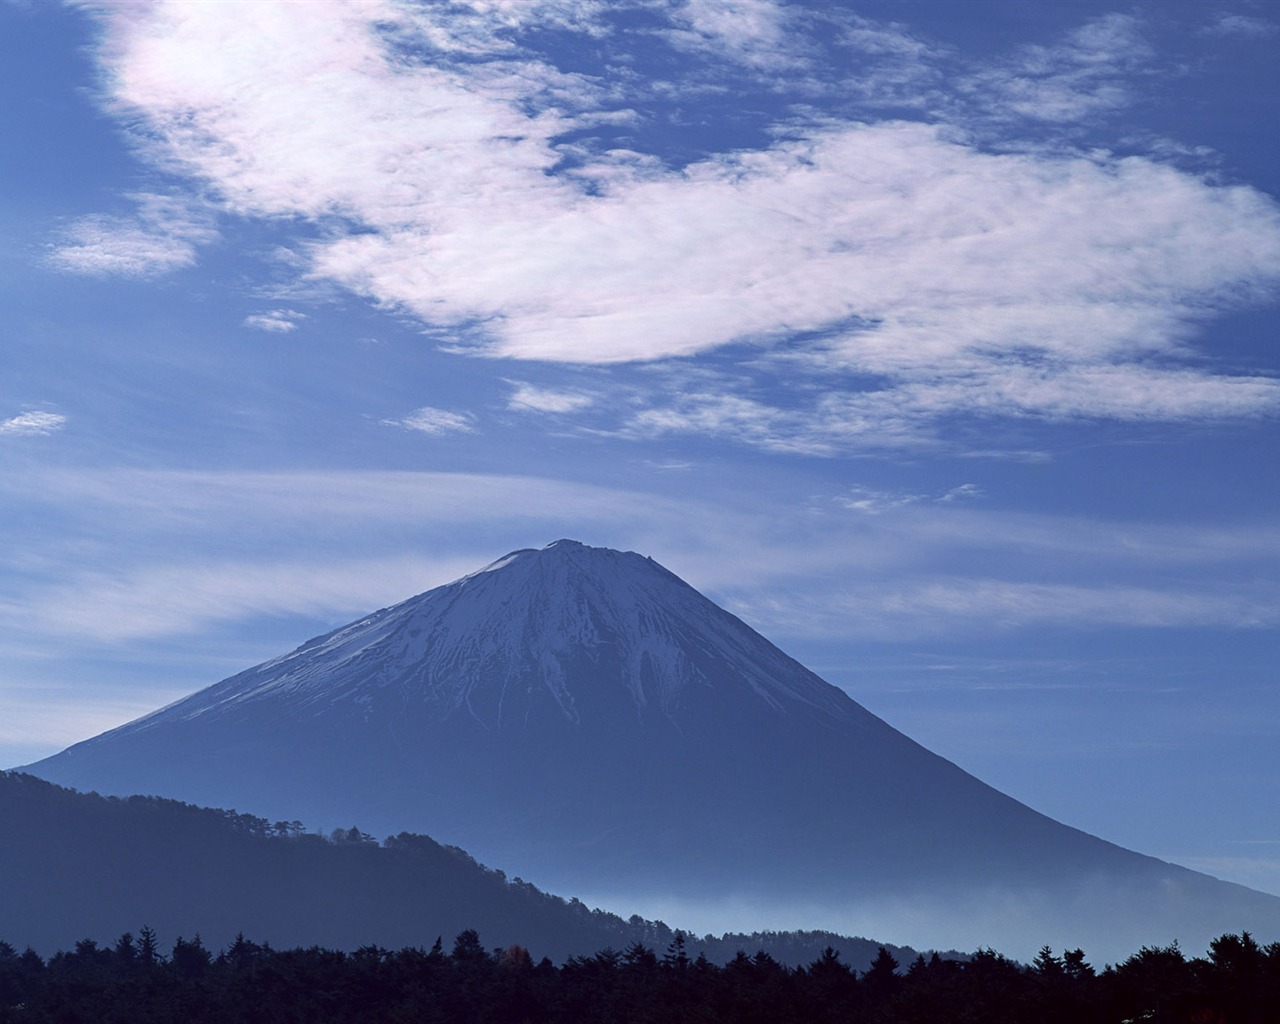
[
  {"x": 1075, "y": 966},
  {"x": 467, "y": 947},
  {"x": 881, "y": 979},
  {"x": 125, "y": 950},
  {"x": 190, "y": 958},
  {"x": 148, "y": 948},
  {"x": 676, "y": 958}
]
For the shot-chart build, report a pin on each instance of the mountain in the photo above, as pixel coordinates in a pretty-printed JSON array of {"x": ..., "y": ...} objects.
[
  {"x": 583, "y": 717},
  {"x": 80, "y": 866}
]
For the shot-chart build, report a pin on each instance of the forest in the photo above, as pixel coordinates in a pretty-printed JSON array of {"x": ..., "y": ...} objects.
[{"x": 134, "y": 982}]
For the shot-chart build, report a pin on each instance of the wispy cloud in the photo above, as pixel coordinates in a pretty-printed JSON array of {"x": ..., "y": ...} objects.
[
  {"x": 873, "y": 502},
  {"x": 173, "y": 600},
  {"x": 160, "y": 237},
  {"x": 435, "y": 422},
  {"x": 964, "y": 492},
  {"x": 870, "y": 501},
  {"x": 905, "y": 413},
  {"x": 177, "y": 562},
  {"x": 1241, "y": 25},
  {"x": 963, "y": 606},
  {"x": 277, "y": 321},
  {"x": 744, "y": 419},
  {"x": 531, "y": 398},
  {"x": 34, "y": 423},
  {"x": 1010, "y": 604},
  {"x": 755, "y": 33},
  {"x": 1087, "y": 74}
]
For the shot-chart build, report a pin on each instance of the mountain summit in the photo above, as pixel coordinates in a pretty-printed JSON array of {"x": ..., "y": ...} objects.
[
  {"x": 584, "y": 717},
  {"x": 538, "y": 638}
]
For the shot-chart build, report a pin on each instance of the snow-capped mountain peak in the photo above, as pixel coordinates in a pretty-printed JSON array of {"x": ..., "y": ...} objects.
[{"x": 536, "y": 630}]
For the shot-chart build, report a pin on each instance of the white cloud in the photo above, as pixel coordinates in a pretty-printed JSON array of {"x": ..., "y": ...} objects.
[
  {"x": 872, "y": 502},
  {"x": 104, "y": 246},
  {"x": 752, "y": 32},
  {"x": 743, "y": 419},
  {"x": 1003, "y": 284},
  {"x": 436, "y": 422},
  {"x": 33, "y": 423},
  {"x": 1086, "y": 75},
  {"x": 905, "y": 415},
  {"x": 531, "y": 398},
  {"x": 883, "y": 39},
  {"x": 949, "y": 259},
  {"x": 1241, "y": 25},
  {"x": 160, "y": 237},
  {"x": 277, "y": 321},
  {"x": 964, "y": 492}
]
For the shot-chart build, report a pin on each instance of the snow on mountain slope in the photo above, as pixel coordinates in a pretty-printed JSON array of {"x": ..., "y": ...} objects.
[{"x": 498, "y": 641}]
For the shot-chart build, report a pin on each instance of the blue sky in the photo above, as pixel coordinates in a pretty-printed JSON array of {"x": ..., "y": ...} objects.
[{"x": 936, "y": 340}]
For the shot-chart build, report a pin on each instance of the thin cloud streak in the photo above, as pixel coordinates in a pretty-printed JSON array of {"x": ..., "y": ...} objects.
[
  {"x": 1241, "y": 25},
  {"x": 34, "y": 423},
  {"x": 435, "y": 422},
  {"x": 275, "y": 321},
  {"x": 174, "y": 600},
  {"x": 967, "y": 607},
  {"x": 531, "y": 398},
  {"x": 385, "y": 532},
  {"x": 181, "y": 499}
]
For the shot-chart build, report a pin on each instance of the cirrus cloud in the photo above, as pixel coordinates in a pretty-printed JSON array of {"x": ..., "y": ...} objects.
[
  {"x": 531, "y": 398},
  {"x": 275, "y": 321},
  {"x": 435, "y": 422},
  {"x": 33, "y": 423}
]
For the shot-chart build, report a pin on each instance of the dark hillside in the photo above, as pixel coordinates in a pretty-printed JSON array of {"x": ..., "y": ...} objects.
[{"x": 76, "y": 866}]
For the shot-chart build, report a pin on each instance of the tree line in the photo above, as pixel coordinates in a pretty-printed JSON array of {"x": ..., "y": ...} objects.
[{"x": 134, "y": 982}]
